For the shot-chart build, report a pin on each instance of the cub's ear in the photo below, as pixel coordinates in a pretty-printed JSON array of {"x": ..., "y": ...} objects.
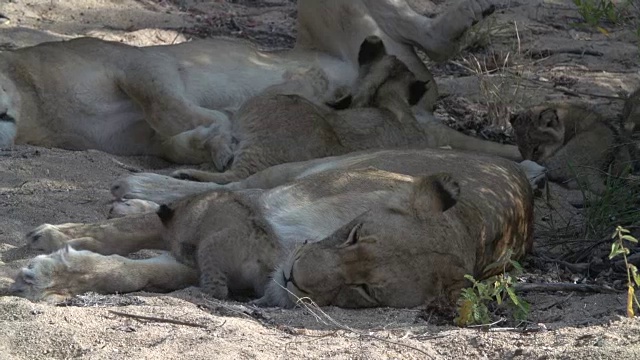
[
  {"x": 417, "y": 89},
  {"x": 371, "y": 49},
  {"x": 340, "y": 103},
  {"x": 514, "y": 118},
  {"x": 548, "y": 118},
  {"x": 165, "y": 213},
  {"x": 434, "y": 194}
]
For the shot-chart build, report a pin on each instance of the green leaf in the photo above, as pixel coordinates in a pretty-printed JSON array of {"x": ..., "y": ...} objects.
[
  {"x": 516, "y": 265},
  {"x": 629, "y": 238},
  {"x": 512, "y": 295},
  {"x": 615, "y": 250},
  {"x": 634, "y": 274}
]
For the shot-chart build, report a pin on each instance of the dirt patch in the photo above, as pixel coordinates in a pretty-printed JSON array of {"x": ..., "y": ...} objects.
[{"x": 552, "y": 59}]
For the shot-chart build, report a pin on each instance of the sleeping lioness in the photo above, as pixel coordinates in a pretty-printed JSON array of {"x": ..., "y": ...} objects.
[
  {"x": 351, "y": 236},
  {"x": 87, "y": 93}
]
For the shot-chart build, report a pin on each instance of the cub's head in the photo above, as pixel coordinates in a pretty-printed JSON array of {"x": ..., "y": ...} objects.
[
  {"x": 402, "y": 254},
  {"x": 8, "y": 112},
  {"x": 382, "y": 79},
  {"x": 540, "y": 132}
]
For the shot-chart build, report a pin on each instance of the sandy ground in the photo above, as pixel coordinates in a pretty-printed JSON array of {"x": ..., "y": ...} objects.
[{"x": 555, "y": 60}]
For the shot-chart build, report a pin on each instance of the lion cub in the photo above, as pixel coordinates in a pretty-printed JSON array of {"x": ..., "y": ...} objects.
[{"x": 576, "y": 145}]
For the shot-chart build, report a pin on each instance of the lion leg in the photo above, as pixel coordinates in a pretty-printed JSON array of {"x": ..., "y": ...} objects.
[
  {"x": 115, "y": 236},
  {"x": 201, "y": 145},
  {"x": 212, "y": 280},
  {"x": 206, "y": 176},
  {"x": 70, "y": 272},
  {"x": 446, "y": 136},
  {"x": 438, "y": 37},
  {"x": 159, "y": 189},
  {"x": 166, "y": 105}
]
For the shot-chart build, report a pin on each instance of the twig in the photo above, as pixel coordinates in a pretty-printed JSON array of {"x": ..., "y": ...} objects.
[
  {"x": 518, "y": 330},
  {"x": 557, "y": 302},
  {"x": 570, "y": 92},
  {"x": 157, "y": 319},
  {"x": 312, "y": 307},
  {"x": 488, "y": 325},
  {"x": 540, "y": 53},
  {"x": 526, "y": 287},
  {"x": 578, "y": 267}
]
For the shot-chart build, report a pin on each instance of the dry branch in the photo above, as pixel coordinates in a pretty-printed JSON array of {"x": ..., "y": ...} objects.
[{"x": 162, "y": 320}]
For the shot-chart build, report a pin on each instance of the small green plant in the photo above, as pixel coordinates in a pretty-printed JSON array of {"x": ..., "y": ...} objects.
[
  {"x": 473, "y": 305},
  {"x": 616, "y": 205},
  {"x": 633, "y": 278},
  {"x": 595, "y": 12}
]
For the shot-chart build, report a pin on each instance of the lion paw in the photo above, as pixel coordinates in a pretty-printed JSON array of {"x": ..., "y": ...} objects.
[
  {"x": 46, "y": 238},
  {"x": 222, "y": 155},
  {"x": 130, "y": 207}
]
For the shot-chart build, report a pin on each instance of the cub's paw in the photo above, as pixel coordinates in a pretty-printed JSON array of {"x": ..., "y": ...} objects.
[
  {"x": 47, "y": 238},
  {"x": 221, "y": 148},
  {"x": 214, "y": 285},
  {"x": 130, "y": 207}
]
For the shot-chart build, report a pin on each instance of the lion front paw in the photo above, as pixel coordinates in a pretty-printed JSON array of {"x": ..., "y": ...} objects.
[{"x": 46, "y": 238}]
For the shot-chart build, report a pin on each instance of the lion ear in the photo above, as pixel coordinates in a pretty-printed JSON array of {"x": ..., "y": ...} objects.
[
  {"x": 434, "y": 194},
  {"x": 371, "y": 49},
  {"x": 165, "y": 213},
  {"x": 417, "y": 89},
  {"x": 341, "y": 103},
  {"x": 548, "y": 118},
  {"x": 513, "y": 118}
]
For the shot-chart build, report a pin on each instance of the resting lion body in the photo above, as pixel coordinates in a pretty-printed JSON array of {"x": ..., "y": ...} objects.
[
  {"x": 343, "y": 234},
  {"x": 87, "y": 93}
]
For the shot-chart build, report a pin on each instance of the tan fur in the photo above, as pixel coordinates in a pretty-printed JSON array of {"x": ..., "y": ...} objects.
[
  {"x": 572, "y": 142},
  {"x": 419, "y": 230},
  {"x": 51, "y": 277},
  {"x": 158, "y": 100},
  {"x": 278, "y": 127}
]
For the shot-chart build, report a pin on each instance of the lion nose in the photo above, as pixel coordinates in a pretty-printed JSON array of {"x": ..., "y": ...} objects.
[
  {"x": 7, "y": 118},
  {"x": 290, "y": 279}
]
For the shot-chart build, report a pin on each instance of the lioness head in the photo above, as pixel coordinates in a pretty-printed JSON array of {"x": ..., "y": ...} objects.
[
  {"x": 381, "y": 78},
  {"x": 539, "y": 131},
  {"x": 8, "y": 112},
  {"x": 402, "y": 254}
]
